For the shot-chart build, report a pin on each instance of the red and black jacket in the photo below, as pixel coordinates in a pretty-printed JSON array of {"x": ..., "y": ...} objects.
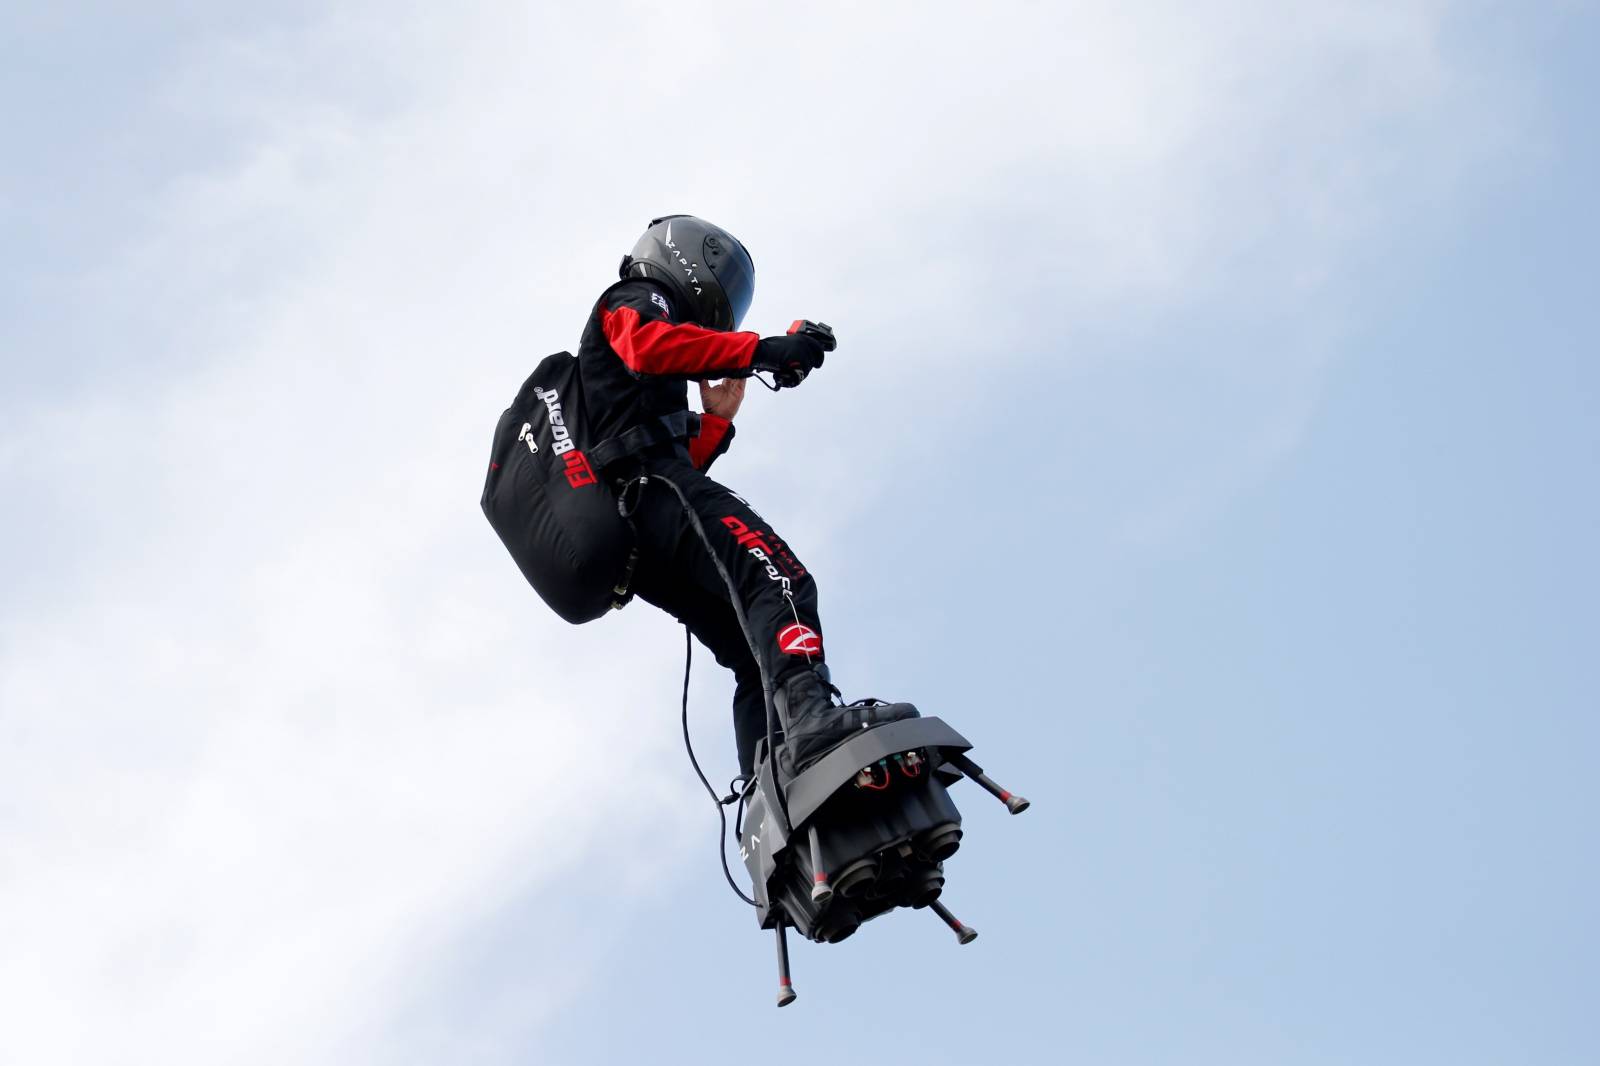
[{"x": 638, "y": 356}]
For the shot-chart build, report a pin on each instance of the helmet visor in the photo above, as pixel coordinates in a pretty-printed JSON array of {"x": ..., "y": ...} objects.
[{"x": 736, "y": 274}]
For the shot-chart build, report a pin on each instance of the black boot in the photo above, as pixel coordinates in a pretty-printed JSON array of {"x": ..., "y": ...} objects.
[{"x": 813, "y": 723}]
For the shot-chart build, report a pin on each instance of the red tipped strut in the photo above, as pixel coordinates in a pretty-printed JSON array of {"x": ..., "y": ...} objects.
[
  {"x": 965, "y": 934},
  {"x": 786, "y": 992},
  {"x": 821, "y": 891},
  {"x": 1014, "y": 803}
]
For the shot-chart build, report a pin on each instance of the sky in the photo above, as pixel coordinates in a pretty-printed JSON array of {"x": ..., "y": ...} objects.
[{"x": 1210, "y": 440}]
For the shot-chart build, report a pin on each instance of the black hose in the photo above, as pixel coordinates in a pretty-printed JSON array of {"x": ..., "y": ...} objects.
[
  {"x": 768, "y": 691},
  {"x": 722, "y": 816}
]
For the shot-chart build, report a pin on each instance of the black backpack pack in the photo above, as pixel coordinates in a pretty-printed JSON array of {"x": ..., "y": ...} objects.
[{"x": 548, "y": 498}]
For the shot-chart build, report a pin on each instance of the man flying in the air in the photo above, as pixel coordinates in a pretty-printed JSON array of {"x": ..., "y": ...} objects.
[{"x": 674, "y": 318}]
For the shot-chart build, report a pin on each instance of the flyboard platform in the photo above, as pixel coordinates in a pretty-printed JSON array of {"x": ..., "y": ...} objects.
[{"x": 862, "y": 831}]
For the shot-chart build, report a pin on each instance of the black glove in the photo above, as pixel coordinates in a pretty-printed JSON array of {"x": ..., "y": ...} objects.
[{"x": 791, "y": 357}]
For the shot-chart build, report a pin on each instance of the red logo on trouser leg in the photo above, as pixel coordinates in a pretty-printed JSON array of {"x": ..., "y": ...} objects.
[
  {"x": 797, "y": 639},
  {"x": 747, "y": 537},
  {"x": 755, "y": 541}
]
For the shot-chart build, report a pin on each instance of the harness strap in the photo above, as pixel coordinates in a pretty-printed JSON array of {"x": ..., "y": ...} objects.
[{"x": 663, "y": 429}]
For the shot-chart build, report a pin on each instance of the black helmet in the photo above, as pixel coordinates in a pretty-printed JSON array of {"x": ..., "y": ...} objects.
[{"x": 704, "y": 264}]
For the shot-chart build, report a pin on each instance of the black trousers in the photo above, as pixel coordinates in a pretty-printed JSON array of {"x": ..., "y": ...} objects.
[{"x": 676, "y": 573}]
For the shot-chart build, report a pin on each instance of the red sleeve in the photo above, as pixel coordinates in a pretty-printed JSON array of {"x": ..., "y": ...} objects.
[
  {"x": 677, "y": 349},
  {"x": 715, "y": 435}
]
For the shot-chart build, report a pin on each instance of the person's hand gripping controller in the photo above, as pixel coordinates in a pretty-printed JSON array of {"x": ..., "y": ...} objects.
[{"x": 794, "y": 355}]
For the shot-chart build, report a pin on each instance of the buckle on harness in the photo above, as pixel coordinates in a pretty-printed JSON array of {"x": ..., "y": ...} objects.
[{"x": 623, "y": 589}]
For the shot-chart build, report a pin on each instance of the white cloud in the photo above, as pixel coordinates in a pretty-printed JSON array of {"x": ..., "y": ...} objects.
[{"x": 290, "y": 722}]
